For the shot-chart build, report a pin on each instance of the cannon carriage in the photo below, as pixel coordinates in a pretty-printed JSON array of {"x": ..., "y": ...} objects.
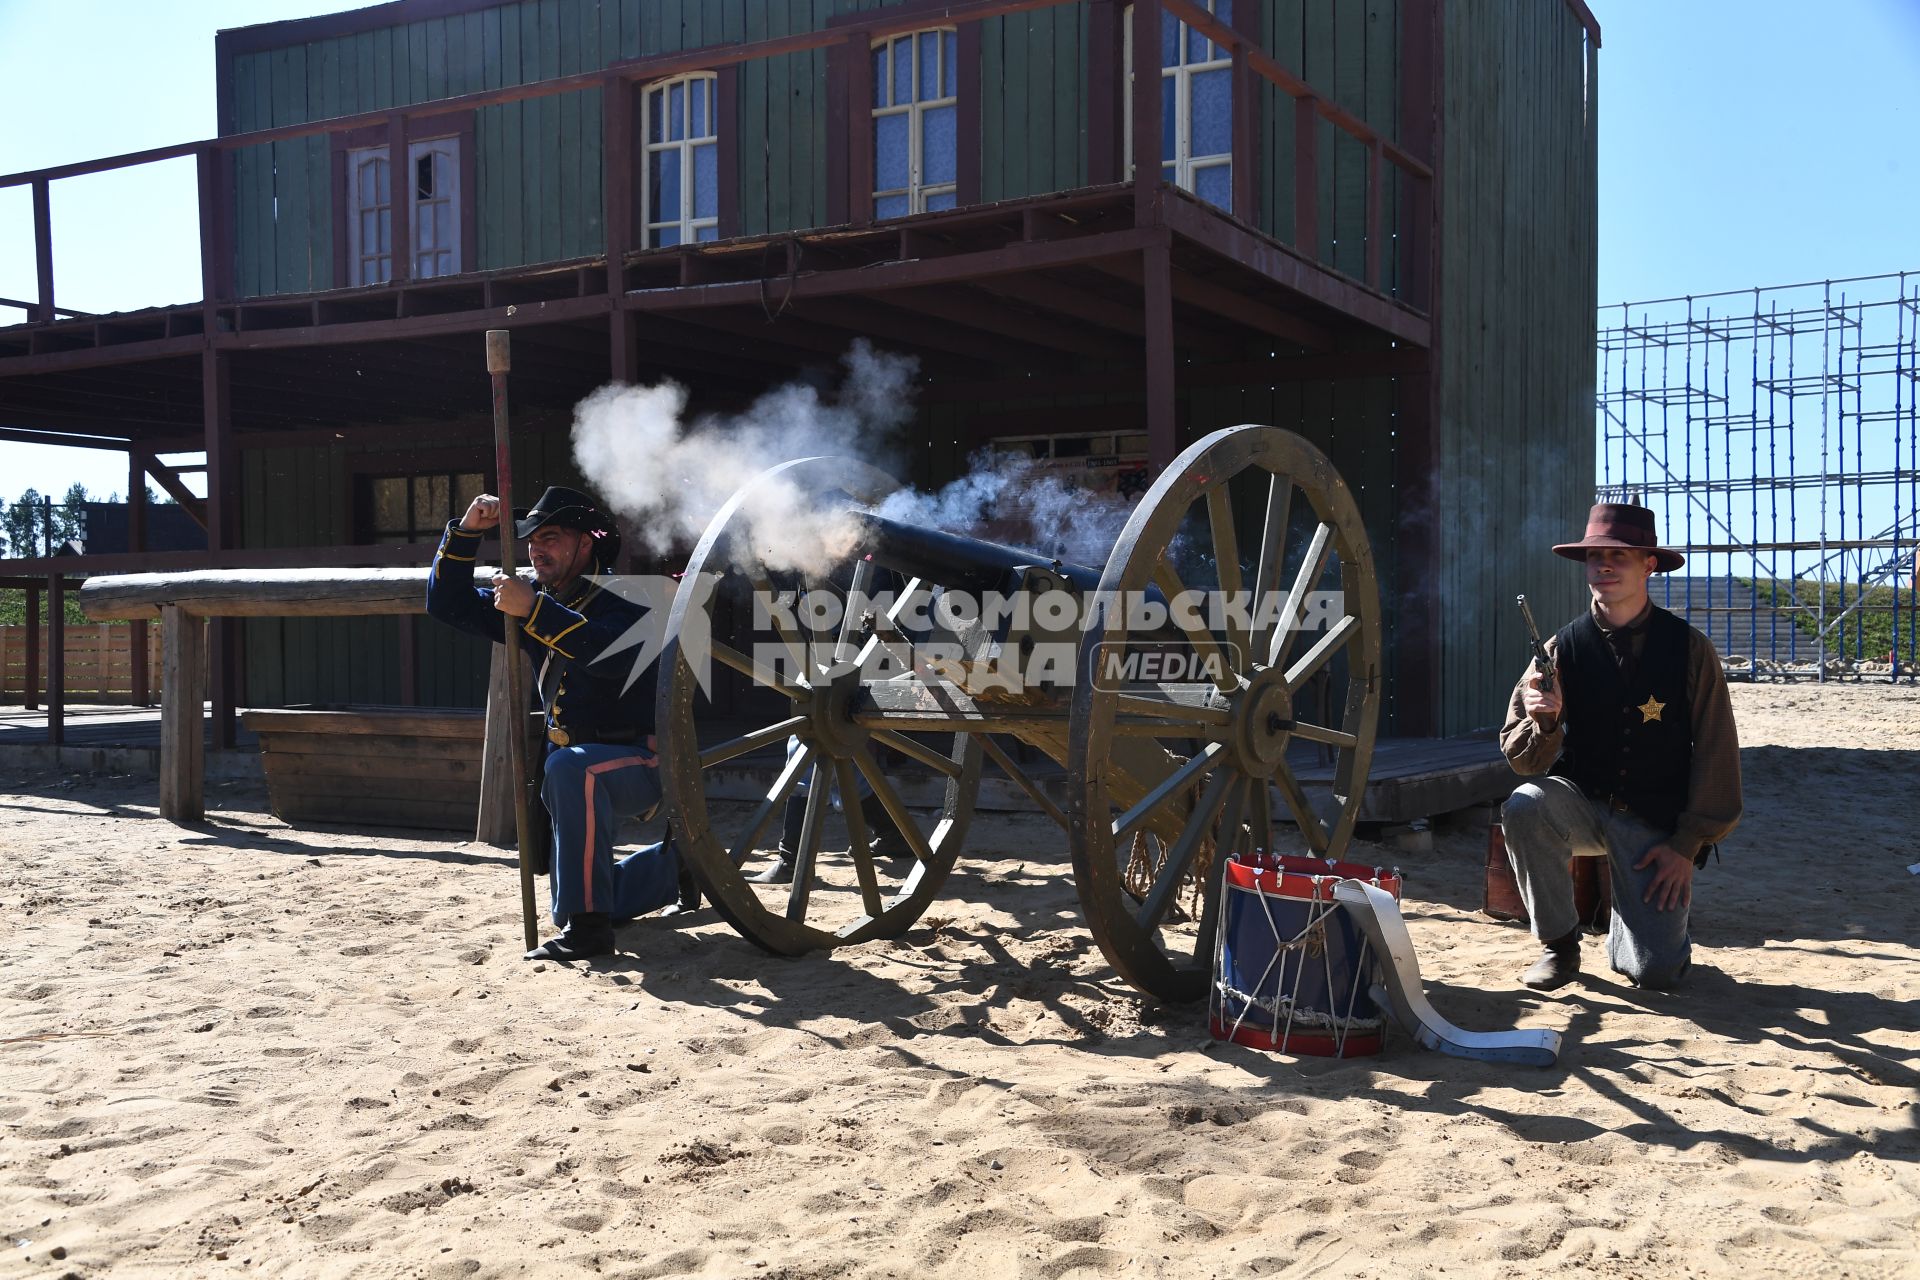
[{"x": 1176, "y": 687}]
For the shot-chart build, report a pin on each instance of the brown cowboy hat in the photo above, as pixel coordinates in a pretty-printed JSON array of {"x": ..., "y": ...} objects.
[{"x": 1620, "y": 524}]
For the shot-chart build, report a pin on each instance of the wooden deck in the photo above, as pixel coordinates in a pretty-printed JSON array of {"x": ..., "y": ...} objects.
[{"x": 1412, "y": 777}]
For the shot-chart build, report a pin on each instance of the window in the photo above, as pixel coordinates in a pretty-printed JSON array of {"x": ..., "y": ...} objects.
[
  {"x": 1196, "y": 107},
  {"x": 415, "y": 508},
  {"x": 681, "y": 177},
  {"x": 433, "y": 197},
  {"x": 915, "y": 123}
]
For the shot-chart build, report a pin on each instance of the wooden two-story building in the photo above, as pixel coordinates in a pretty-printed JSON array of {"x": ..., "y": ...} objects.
[{"x": 1104, "y": 228}]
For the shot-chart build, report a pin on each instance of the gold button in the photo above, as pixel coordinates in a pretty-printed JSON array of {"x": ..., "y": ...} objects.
[{"x": 557, "y": 736}]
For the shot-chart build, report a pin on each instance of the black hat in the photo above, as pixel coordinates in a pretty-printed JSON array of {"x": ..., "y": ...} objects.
[
  {"x": 571, "y": 509},
  {"x": 568, "y": 508},
  {"x": 1622, "y": 524}
]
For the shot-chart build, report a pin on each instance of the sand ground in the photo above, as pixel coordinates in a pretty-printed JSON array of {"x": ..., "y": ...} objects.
[{"x": 243, "y": 1048}]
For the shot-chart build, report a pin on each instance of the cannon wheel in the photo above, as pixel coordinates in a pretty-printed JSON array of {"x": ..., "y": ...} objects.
[
  {"x": 832, "y": 901},
  {"x": 1227, "y": 749}
]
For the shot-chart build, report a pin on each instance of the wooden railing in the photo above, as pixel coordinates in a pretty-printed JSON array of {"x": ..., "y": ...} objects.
[{"x": 214, "y": 156}]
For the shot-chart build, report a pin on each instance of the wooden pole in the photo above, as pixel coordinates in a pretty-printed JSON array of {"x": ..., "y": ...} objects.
[
  {"x": 182, "y": 745},
  {"x": 32, "y": 699},
  {"x": 56, "y": 660},
  {"x": 498, "y": 362},
  {"x": 138, "y": 676}
]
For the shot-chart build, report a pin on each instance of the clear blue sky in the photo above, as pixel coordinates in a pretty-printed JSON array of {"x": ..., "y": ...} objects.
[{"x": 1743, "y": 142}]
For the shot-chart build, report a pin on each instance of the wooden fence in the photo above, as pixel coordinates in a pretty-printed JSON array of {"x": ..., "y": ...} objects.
[{"x": 99, "y": 663}]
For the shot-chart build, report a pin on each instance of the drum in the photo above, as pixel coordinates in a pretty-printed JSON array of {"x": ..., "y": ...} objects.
[{"x": 1291, "y": 970}]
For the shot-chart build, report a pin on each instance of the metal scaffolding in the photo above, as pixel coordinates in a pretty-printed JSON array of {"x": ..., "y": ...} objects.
[{"x": 1776, "y": 433}]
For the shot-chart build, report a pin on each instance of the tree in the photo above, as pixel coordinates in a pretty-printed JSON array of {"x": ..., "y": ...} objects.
[
  {"x": 70, "y": 518},
  {"x": 21, "y": 525}
]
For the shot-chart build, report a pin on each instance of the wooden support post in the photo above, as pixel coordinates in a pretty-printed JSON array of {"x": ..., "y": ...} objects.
[
  {"x": 43, "y": 246},
  {"x": 139, "y": 676},
  {"x": 212, "y": 169},
  {"x": 1306, "y": 178},
  {"x": 616, "y": 179},
  {"x": 223, "y": 519},
  {"x": 1420, "y": 106},
  {"x": 182, "y": 745},
  {"x": 56, "y": 660},
  {"x": 1246, "y": 137},
  {"x": 859, "y": 128},
  {"x": 32, "y": 699},
  {"x": 1144, "y": 102},
  {"x": 1163, "y": 443},
  {"x": 495, "y": 824}
]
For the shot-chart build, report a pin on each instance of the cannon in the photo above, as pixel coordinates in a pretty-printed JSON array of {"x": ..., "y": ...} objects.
[{"x": 1180, "y": 731}]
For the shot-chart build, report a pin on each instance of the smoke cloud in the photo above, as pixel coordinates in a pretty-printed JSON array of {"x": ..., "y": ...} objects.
[
  {"x": 668, "y": 476},
  {"x": 1014, "y": 499}
]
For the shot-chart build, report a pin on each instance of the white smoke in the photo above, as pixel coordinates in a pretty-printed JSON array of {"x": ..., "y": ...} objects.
[
  {"x": 1009, "y": 497},
  {"x": 668, "y": 476}
]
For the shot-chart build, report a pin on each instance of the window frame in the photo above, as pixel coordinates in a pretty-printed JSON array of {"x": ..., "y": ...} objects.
[
  {"x": 370, "y": 469},
  {"x": 690, "y": 225},
  {"x": 456, "y": 128},
  {"x": 1184, "y": 163},
  {"x": 947, "y": 70}
]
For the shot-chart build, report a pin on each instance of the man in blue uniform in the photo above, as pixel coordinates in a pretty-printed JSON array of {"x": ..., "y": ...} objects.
[{"x": 599, "y": 765}]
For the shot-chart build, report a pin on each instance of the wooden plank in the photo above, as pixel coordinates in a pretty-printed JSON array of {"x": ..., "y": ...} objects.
[
  {"x": 1069, "y": 91},
  {"x": 995, "y": 145},
  {"x": 182, "y": 741},
  {"x": 465, "y": 724},
  {"x": 496, "y": 822},
  {"x": 779, "y": 126},
  {"x": 805, "y": 119},
  {"x": 756, "y": 136},
  {"x": 566, "y": 32},
  {"x": 434, "y": 35},
  {"x": 1017, "y": 55},
  {"x": 591, "y": 237},
  {"x": 323, "y": 103},
  {"x": 552, "y": 139}
]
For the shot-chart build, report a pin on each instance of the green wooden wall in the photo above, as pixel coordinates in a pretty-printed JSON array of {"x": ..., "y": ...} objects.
[
  {"x": 1350, "y": 51},
  {"x": 538, "y": 163},
  {"x": 1518, "y": 284}
]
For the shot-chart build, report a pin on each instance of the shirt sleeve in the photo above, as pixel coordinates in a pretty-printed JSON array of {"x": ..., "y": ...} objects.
[
  {"x": 1528, "y": 747},
  {"x": 451, "y": 595},
  {"x": 1713, "y": 782},
  {"x": 572, "y": 634}
]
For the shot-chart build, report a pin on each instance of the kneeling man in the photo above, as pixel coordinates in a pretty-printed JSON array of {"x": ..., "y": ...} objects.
[{"x": 1638, "y": 740}]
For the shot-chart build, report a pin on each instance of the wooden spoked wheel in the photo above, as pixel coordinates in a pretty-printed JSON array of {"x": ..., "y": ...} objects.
[
  {"x": 1149, "y": 841},
  {"x": 836, "y": 897}
]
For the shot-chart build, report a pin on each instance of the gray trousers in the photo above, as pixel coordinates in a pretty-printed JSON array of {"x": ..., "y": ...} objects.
[{"x": 1549, "y": 821}]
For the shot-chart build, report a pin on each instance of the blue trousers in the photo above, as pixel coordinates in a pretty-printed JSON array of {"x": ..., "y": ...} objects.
[
  {"x": 588, "y": 790},
  {"x": 1549, "y": 821}
]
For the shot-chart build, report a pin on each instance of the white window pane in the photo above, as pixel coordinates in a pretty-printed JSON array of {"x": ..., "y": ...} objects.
[
  {"x": 937, "y": 144},
  {"x": 386, "y": 231},
  {"x": 903, "y": 70},
  {"x": 1212, "y": 113},
  {"x": 707, "y": 233},
  {"x": 667, "y": 235},
  {"x": 890, "y": 152},
  {"x": 929, "y": 42},
  {"x": 443, "y": 225},
  {"x": 1223, "y": 10},
  {"x": 370, "y": 231},
  {"x": 890, "y": 207},
  {"x": 1168, "y": 118},
  {"x": 423, "y": 227},
  {"x": 663, "y": 186},
  {"x": 1169, "y": 40},
  {"x": 382, "y": 192},
  {"x": 951, "y": 63},
  {"x": 1199, "y": 49},
  {"x": 676, "y": 111},
  {"x": 880, "y": 76},
  {"x": 446, "y": 262},
  {"x": 706, "y": 181},
  {"x": 944, "y": 200},
  {"x": 1214, "y": 184},
  {"x": 386, "y": 270},
  {"x": 697, "y": 108},
  {"x": 656, "y": 114}
]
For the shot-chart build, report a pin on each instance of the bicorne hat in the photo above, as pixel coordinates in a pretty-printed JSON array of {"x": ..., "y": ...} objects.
[
  {"x": 571, "y": 509},
  {"x": 1620, "y": 524}
]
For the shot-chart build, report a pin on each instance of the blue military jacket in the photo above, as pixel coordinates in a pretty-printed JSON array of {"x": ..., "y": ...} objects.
[{"x": 587, "y": 696}]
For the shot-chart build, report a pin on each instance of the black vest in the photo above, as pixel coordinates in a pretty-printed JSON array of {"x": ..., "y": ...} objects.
[{"x": 1613, "y": 750}]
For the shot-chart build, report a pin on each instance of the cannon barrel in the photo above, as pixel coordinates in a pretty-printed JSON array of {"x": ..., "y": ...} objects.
[{"x": 952, "y": 559}]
